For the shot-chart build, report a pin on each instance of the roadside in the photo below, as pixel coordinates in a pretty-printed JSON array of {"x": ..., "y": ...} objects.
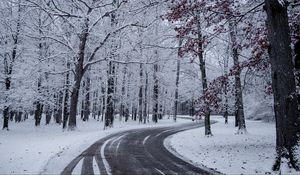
[{"x": 227, "y": 152}]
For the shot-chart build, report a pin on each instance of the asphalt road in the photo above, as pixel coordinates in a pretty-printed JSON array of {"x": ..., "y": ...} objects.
[{"x": 134, "y": 152}]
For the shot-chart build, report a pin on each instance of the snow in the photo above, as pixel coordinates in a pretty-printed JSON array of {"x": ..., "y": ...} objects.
[
  {"x": 281, "y": 2},
  {"x": 26, "y": 149},
  {"x": 227, "y": 152}
]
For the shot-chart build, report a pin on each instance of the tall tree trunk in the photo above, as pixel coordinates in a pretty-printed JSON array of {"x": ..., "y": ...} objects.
[
  {"x": 239, "y": 106},
  {"x": 66, "y": 99},
  {"x": 8, "y": 66},
  {"x": 79, "y": 72},
  {"x": 6, "y": 108},
  {"x": 123, "y": 91},
  {"x": 203, "y": 77},
  {"x": 226, "y": 60},
  {"x": 283, "y": 84},
  {"x": 146, "y": 99},
  {"x": 39, "y": 107},
  {"x": 103, "y": 104},
  {"x": 109, "y": 114},
  {"x": 155, "y": 95},
  {"x": 86, "y": 106},
  {"x": 177, "y": 84},
  {"x": 128, "y": 97},
  {"x": 141, "y": 94},
  {"x": 58, "y": 108}
]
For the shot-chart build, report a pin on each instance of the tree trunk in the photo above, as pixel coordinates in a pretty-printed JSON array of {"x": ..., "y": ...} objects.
[
  {"x": 155, "y": 95},
  {"x": 66, "y": 99},
  {"x": 123, "y": 103},
  {"x": 39, "y": 107},
  {"x": 226, "y": 60},
  {"x": 141, "y": 94},
  {"x": 283, "y": 84},
  {"x": 128, "y": 97},
  {"x": 48, "y": 114},
  {"x": 8, "y": 66},
  {"x": 59, "y": 106},
  {"x": 38, "y": 114},
  {"x": 79, "y": 72},
  {"x": 146, "y": 99},
  {"x": 86, "y": 106},
  {"x": 203, "y": 78},
  {"x": 177, "y": 85},
  {"x": 239, "y": 106},
  {"x": 6, "y": 108},
  {"x": 73, "y": 104},
  {"x": 109, "y": 114}
]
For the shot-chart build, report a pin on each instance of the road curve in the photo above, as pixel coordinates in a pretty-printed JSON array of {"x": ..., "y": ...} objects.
[{"x": 134, "y": 152}]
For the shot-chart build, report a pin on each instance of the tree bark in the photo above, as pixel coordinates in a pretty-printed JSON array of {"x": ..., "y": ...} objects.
[
  {"x": 48, "y": 114},
  {"x": 39, "y": 107},
  {"x": 203, "y": 77},
  {"x": 38, "y": 114},
  {"x": 58, "y": 108},
  {"x": 86, "y": 109},
  {"x": 155, "y": 95},
  {"x": 141, "y": 94},
  {"x": 8, "y": 66},
  {"x": 239, "y": 106},
  {"x": 128, "y": 97},
  {"x": 66, "y": 99},
  {"x": 123, "y": 103},
  {"x": 177, "y": 85},
  {"x": 146, "y": 99},
  {"x": 283, "y": 84},
  {"x": 79, "y": 72},
  {"x": 109, "y": 114}
]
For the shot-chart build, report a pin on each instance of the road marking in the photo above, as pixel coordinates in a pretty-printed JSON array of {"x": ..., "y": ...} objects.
[
  {"x": 117, "y": 139},
  {"x": 118, "y": 146},
  {"x": 160, "y": 171},
  {"x": 95, "y": 167},
  {"x": 106, "y": 165},
  {"x": 163, "y": 132},
  {"x": 145, "y": 139},
  {"x": 77, "y": 169}
]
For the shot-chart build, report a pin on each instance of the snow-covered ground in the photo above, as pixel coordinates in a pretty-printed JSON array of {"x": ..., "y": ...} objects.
[
  {"x": 26, "y": 149},
  {"x": 226, "y": 152}
]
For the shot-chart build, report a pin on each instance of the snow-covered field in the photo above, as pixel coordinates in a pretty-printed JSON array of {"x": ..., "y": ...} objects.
[
  {"x": 26, "y": 149},
  {"x": 226, "y": 152}
]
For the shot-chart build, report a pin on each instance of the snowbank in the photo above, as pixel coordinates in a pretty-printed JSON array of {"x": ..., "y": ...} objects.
[
  {"x": 26, "y": 149},
  {"x": 227, "y": 152}
]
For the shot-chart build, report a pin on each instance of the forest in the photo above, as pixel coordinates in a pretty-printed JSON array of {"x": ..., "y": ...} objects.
[{"x": 142, "y": 60}]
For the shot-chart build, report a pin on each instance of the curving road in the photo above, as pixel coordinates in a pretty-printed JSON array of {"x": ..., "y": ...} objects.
[{"x": 134, "y": 152}]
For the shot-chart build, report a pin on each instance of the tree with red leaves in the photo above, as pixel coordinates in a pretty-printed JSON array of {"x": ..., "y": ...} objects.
[{"x": 190, "y": 15}]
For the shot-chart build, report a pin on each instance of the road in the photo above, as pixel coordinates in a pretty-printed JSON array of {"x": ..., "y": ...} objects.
[{"x": 134, "y": 152}]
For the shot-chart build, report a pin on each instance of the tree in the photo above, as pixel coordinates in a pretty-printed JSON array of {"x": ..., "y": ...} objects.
[
  {"x": 177, "y": 84},
  {"x": 10, "y": 55},
  {"x": 192, "y": 30},
  {"x": 283, "y": 83},
  {"x": 239, "y": 106}
]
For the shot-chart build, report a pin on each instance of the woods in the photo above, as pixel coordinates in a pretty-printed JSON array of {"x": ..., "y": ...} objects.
[{"x": 141, "y": 60}]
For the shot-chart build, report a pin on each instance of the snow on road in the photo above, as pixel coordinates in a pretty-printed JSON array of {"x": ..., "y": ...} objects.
[
  {"x": 26, "y": 149},
  {"x": 226, "y": 152}
]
